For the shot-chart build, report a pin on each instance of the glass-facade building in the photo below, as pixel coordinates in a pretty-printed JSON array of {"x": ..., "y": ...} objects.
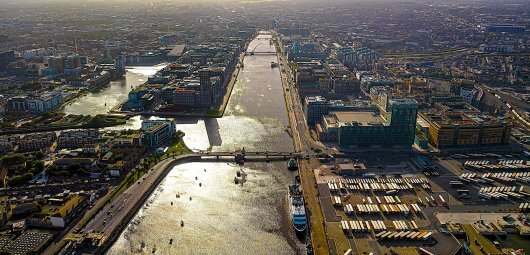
[{"x": 396, "y": 128}]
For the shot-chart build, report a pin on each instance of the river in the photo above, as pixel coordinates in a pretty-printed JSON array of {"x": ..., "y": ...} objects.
[
  {"x": 102, "y": 101},
  {"x": 222, "y": 217}
]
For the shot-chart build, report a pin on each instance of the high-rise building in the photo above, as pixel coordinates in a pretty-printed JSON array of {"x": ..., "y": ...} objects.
[
  {"x": 119, "y": 64},
  {"x": 69, "y": 65},
  {"x": 314, "y": 109},
  {"x": 206, "y": 88},
  {"x": 402, "y": 114},
  {"x": 72, "y": 65},
  {"x": 6, "y": 58}
]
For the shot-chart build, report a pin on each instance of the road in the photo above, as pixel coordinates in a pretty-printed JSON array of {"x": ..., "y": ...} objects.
[
  {"x": 113, "y": 214},
  {"x": 304, "y": 143},
  {"x": 301, "y": 134},
  {"x": 52, "y": 247},
  {"x": 512, "y": 105}
]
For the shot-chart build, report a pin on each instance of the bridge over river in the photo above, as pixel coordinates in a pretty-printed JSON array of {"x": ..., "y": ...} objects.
[
  {"x": 106, "y": 224},
  {"x": 256, "y": 118},
  {"x": 246, "y": 155}
]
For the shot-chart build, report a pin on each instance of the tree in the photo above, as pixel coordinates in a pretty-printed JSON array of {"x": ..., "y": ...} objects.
[
  {"x": 33, "y": 170},
  {"x": 39, "y": 155},
  {"x": 19, "y": 179},
  {"x": 51, "y": 170},
  {"x": 13, "y": 159},
  {"x": 39, "y": 165},
  {"x": 41, "y": 201},
  {"x": 74, "y": 167}
]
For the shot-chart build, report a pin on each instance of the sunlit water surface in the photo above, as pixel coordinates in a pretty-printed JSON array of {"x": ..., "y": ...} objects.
[{"x": 222, "y": 217}]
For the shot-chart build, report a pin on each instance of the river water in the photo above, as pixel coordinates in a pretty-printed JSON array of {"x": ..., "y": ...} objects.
[
  {"x": 222, "y": 217},
  {"x": 102, "y": 101}
]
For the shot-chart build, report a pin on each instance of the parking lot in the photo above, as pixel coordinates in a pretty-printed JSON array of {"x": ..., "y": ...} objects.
[{"x": 349, "y": 199}]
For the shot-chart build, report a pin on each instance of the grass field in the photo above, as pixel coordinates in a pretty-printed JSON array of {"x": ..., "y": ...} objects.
[
  {"x": 179, "y": 147},
  {"x": 213, "y": 112}
]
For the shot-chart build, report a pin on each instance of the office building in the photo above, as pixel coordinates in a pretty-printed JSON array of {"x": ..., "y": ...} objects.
[
  {"x": 401, "y": 115},
  {"x": 45, "y": 102},
  {"x": 314, "y": 109},
  {"x": 6, "y": 58},
  {"x": 185, "y": 98},
  {"x": 206, "y": 88},
  {"x": 146, "y": 124},
  {"x": 141, "y": 100},
  {"x": 307, "y": 76},
  {"x": 158, "y": 132},
  {"x": 395, "y": 127},
  {"x": 454, "y": 129},
  {"x": 35, "y": 104}
]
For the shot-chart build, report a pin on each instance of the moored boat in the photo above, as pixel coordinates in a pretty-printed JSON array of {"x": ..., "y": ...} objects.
[
  {"x": 297, "y": 208},
  {"x": 292, "y": 164}
]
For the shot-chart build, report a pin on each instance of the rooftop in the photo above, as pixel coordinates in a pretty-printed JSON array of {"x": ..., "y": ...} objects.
[
  {"x": 460, "y": 118},
  {"x": 177, "y": 50},
  {"x": 362, "y": 118},
  {"x": 315, "y": 99}
]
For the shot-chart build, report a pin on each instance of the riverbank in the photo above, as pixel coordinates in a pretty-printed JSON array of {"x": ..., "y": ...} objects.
[
  {"x": 254, "y": 118},
  {"x": 148, "y": 166},
  {"x": 103, "y": 100},
  {"x": 230, "y": 86},
  {"x": 93, "y": 122},
  {"x": 316, "y": 224},
  {"x": 214, "y": 113}
]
